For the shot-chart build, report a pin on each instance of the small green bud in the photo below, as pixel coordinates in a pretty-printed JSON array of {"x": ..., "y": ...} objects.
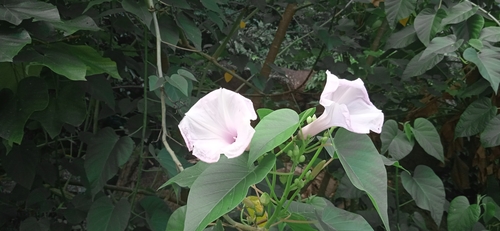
[
  {"x": 323, "y": 139},
  {"x": 265, "y": 199},
  {"x": 296, "y": 151},
  {"x": 289, "y": 153},
  {"x": 308, "y": 175},
  {"x": 302, "y": 159}
]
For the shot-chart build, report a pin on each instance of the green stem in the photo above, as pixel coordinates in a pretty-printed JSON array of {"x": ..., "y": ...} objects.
[{"x": 282, "y": 201}]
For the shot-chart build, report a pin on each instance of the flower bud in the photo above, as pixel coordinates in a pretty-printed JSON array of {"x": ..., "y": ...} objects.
[
  {"x": 296, "y": 151},
  {"x": 265, "y": 199},
  {"x": 289, "y": 153},
  {"x": 302, "y": 159},
  {"x": 248, "y": 203}
]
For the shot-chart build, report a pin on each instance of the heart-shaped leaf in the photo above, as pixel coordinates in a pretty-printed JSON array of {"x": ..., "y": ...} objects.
[
  {"x": 490, "y": 137},
  {"x": 221, "y": 187},
  {"x": 398, "y": 9},
  {"x": 459, "y": 13},
  {"x": 428, "y": 23},
  {"x": 426, "y": 135},
  {"x": 442, "y": 45},
  {"x": 402, "y": 38},
  {"x": 427, "y": 190},
  {"x": 12, "y": 43},
  {"x": 490, "y": 34},
  {"x": 475, "y": 118},
  {"x": 364, "y": 167},
  {"x": 273, "y": 130},
  {"x": 462, "y": 215},
  {"x": 487, "y": 63},
  {"x": 104, "y": 216},
  {"x": 416, "y": 66},
  {"x": 395, "y": 141}
]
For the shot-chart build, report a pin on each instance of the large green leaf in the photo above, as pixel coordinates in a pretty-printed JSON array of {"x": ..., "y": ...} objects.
[
  {"x": 328, "y": 216},
  {"x": 273, "y": 130},
  {"x": 427, "y": 190},
  {"x": 68, "y": 107},
  {"x": 21, "y": 163},
  {"x": 417, "y": 67},
  {"x": 395, "y": 141},
  {"x": 139, "y": 9},
  {"x": 169, "y": 31},
  {"x": 490, "y": 34},
  {"x": 402, "y": 38},
  {"x": 82, "y": 22},
  {"x": 428, "y": 23},
  {"x": 221, "y": 187},
  {"x": 64, "y": 64},
  {"x": 475, "y": 118},
  {"x": 365, "y": 168},
  {"x": 190, "y": 29},
  {"x": 442, "y": 45},
  {"x": 15, "y": 11},
  {"x": 490, "y": 137},
  {"x": 104, "y": 216},
  {"x": 180, "y": 83},
  {"x": 187, "y": 177},
  {"x": 211, "y": 5},
  {"x": 470, "y": 28},
  {"x": 459, "y": 13},
  {"x": 93, "y": 3},
  {"x": 426, "y": 135},
  {"x": 491, "y": 209},
  {"x": 12, "y": 43},
  {"x": 32, "y": 95},
  {"x": 462, "y": 215},
  {"x": 398, "y": 9},
  {"x": 32, "y": 224},
  {"x": 168, "y": 163},
  {"x": 487, "y": 63},
  {"x": 106, "y": 152}
]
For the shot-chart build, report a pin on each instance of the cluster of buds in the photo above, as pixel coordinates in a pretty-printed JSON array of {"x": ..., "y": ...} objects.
[{"x": 296, "y": 155}]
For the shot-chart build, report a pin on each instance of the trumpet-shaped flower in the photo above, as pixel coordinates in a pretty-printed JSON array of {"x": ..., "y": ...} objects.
[
  {"x": 346, "y": 105},
  {"x": 219, "y": 123}
]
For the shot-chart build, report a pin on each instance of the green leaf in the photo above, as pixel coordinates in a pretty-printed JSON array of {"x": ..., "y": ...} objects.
[
  {"x": 186, "y": 74},
  {"x": 21, "y": 163},
  {"x": 31, "y": 224},
  {"x": 395, "y": 141},
  {"x": 487, "y": 63},
  {"x": 491, "y": 209},
  {"x": 15, "y": 12},
  {"x": 139, "y": 9},
  {"x": 273, "y": 130},
  {"x": 155, "y": 82},
  {"x": 179, "y": 82},
  {"x": 177, "y": 3},
  {"x": 68, "y": 107},
  {"x": 64, "y": 64},
  {"x": 476, "y": 43},
  {"x": 190, "y": 29},
  {"x": 187, "y": 177},
  {"x": 157, "y": 212},
  {"x": 104, "y": 216},
  {"x": 427, "y": 190},
  {"x": 168, "y": 163},
  {"x": 365, "y": 168},
  {"x": 263, "y": 112},
  {"x": 32, "y": 95},
  {"x": 211, "y": 5},
  {"x": 459, "y": 13},
  {"x": 402, "y": 38},
  {"x": 398, "y": 9},
  {"x": 462, "y": 215},
  {"x": 12, "y": 43},
  {"x": 93, "y": 3},
  {"x": 426, "y": 135},
  {"x": 475, "y": 118},
  {"x": 490, "y": 137},
  {"x": 169, "y": 31},
  {"x": 490, "y": 34},
  {"x": 221, "y": 187},
  {"x": 442, "y": 45},
  {"x": 106, "y": 152},
  {"x": 177, "y": 219},
  {"x": 417, "y": 67},
  {"x": 470, "y": 28},
  {"x": 428, "y": 23},
  {"x": 82, "y": 22},
  {"x": 100, "y": 88}
]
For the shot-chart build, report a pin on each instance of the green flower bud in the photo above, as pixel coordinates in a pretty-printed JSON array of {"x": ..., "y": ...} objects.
[
  {"x": 248, "y": 203},
  {"x": 265, "y": 199},
  {"x": 302, "y": 159},
  {"x": 289, "y": 153},
  {"x": 296, "y": 151}
]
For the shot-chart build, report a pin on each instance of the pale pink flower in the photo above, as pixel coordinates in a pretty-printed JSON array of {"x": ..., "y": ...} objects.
[
  {"x": 346, "y": 105},
  {"x": 219, "y": 123}
]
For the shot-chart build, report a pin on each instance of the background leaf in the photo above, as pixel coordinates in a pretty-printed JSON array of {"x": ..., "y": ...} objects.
[
  {"x": 426, "y": 135},
  {"x": 104, "y": 216},
  {"x": 394, "y": 141},
  {"x": 428, "y": 23},
  {"x": 470, "y": 28},
  {"x": 475, "y": 118},
  {"x": 459, "y": 13},
  {"x": 16, "y": 11},
  {"x": 12, "y": 43},
  {"x": 398, "y": 9},
  {"x": 364, "y": 167},
  {"x": 487, "y": 63},
  {"x": 192, "y": 32},
  {"x": 490, "y": 34},
  {"x": 417, "y": 67},
  {"x": 442, "y": 45},
  {"x": 402, "y": 38},
  {"x": 427, "y": 190},
  {"x": 221, "y": 187},
  {"x": 490, "y": 137}
]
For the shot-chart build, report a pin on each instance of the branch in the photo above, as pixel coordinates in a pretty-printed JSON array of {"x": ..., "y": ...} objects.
[{"x": 160, "y": 75}]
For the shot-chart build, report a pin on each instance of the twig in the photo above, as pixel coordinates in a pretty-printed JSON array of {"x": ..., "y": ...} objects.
[{"x": 163, "y": 107}]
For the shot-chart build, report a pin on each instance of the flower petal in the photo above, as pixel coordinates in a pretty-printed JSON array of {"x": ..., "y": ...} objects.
[{"x": 219, "y": 123}]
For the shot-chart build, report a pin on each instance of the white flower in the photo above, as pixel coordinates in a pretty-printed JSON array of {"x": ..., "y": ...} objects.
[
  {"x": 346, "y": 105},
  {"x": 219, "y": 123}
]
